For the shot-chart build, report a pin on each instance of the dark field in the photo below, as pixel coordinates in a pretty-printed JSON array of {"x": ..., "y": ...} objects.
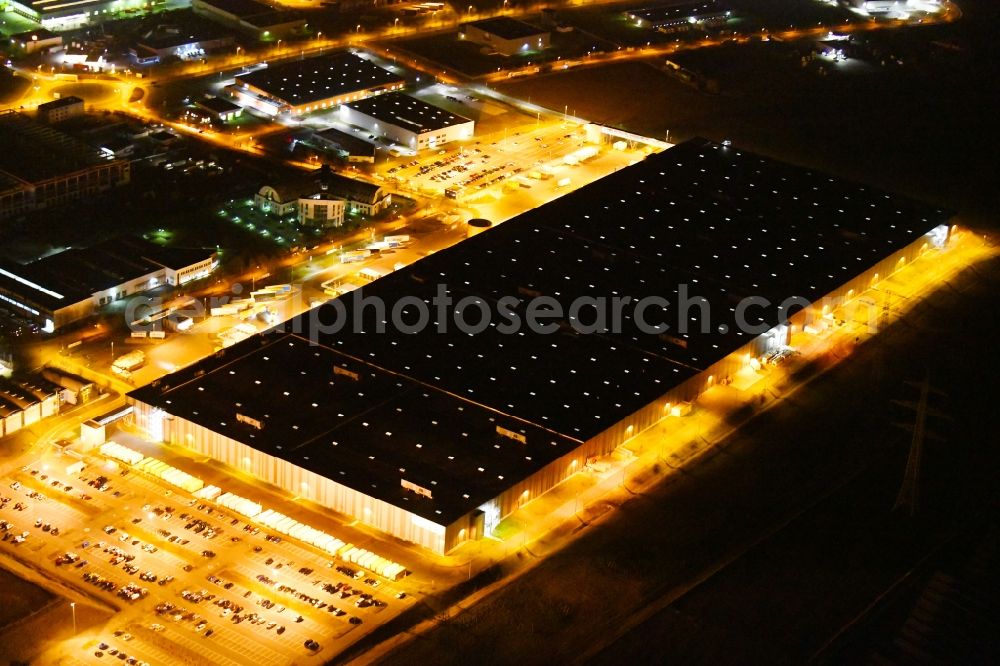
[
  {"x": 11, "y": 87},
  {"x": 19, "y": 598},
  {"x": 920, "y": 129}
]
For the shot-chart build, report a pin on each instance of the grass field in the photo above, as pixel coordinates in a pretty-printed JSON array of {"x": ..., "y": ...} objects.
[
  {"x": 469, "y": 59},
  {"x": 458, "y": 55},
  {"x": 19, "y": 598},
  {"x": 916, "y": 138},
  {"x": 11, "y": 87}
]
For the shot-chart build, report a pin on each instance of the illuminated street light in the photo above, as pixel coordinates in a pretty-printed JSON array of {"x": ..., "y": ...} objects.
[{"x": 72, "y": 606}]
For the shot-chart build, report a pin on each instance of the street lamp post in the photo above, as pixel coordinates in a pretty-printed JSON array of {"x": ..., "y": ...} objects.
[{"x": 72, "y": 606}]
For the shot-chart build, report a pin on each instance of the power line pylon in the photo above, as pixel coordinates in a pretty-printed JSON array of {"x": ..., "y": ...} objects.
[{"x": 909, "y": 493}]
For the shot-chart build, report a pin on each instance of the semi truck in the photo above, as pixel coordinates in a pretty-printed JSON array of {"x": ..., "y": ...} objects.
[
  {"x": 400, "y": 240},
  {"x": 128, "y": 363},
  {"x": 351, "y": 256}
]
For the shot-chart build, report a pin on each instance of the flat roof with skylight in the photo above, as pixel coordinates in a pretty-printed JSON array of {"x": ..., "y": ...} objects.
[
  {"x": 407, "y": 112},
  {"x": 366, "y": 431},
  {"x": 370, "y": 405},
  {"x": 316, "y": 79}
]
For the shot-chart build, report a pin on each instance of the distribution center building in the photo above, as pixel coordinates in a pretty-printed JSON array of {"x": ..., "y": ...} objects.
[
  {"x": 434, "y": 436},
  {"x": 407, "y": 120},
  {"x": 313, "y": 84}
]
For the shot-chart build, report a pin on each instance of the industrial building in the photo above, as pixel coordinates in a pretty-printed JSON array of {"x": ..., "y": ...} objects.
[
  {"x": 256, "y": 18},
  {"x": 42, "y": 167},
  {"x": 681, "y": 16},
  {"x": 313, "y": 84},
  {"x": 505, "y": 35},
  {"x": 303, "y": 195},
  {"x": 219, "y": 109},
  {"x": 192, "y": 40},
  {"x": 407, "y": 121},
  {"x": 118, "y": 147},
  {"x": 434, "y": 436},
  {"x": 71, "y": 14},
  {"x": 346, "y": 145},
  {"x": 70, "y": 285},
  {"x": 60, "y": 109},
  {"x": 35, "y": 40},
  {"x": 25, "y": 401},
  {"x": 73, "y": 389}
]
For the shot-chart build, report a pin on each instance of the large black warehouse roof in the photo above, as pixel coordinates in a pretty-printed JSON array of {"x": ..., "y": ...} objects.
[
  {"x": 425, "y": 406},
  {"x": 299, "y": 82}
]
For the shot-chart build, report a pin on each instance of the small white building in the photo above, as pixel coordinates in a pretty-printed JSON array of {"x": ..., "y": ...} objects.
[
  {"x": 407, "y": 121},
  {"x": 219, "y": 109}
]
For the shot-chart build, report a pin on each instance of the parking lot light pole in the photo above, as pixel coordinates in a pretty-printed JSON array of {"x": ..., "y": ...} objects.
[{"x": 72, "y": 606}]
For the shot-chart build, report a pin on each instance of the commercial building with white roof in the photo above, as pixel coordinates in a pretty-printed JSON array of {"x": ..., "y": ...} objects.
[{"x": 406, "y": 120}]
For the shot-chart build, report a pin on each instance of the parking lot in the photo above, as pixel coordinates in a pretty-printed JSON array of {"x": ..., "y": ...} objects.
[
  {"x": 491, "y": 161},
  {"x": 194, "y": 584},
  {"x": 502, "y": 174}
]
